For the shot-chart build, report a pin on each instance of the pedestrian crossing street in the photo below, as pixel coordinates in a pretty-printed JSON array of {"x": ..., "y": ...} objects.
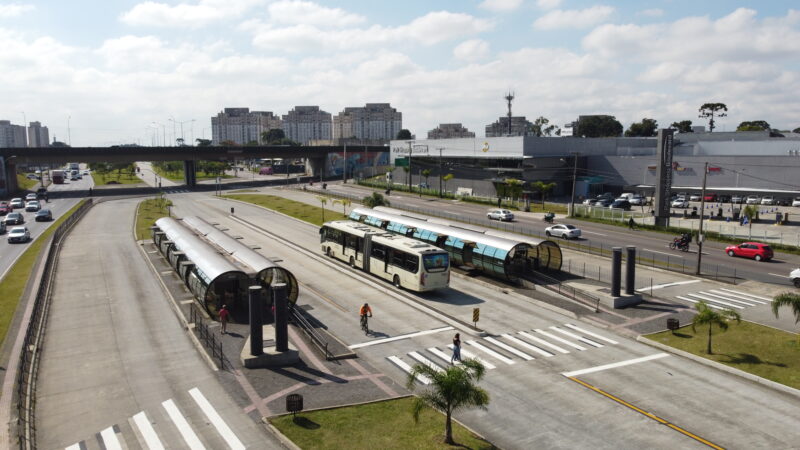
[
  {"x": 725, "y": 298},
  {"x": 149, "y": 429},
  {"x": 507, "y": 349}
]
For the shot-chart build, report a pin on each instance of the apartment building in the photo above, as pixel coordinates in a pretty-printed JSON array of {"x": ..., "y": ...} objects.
[
  {"x": 304, "y": 124},
  {"x": 450, "y": 131},
  {"x": 373, "y": 122},
  {"x": 519, "y": 127},
  {"x": 38, "y": 136},
  {"x": 240, "y": 125},
  {"x": 12, "y": 135}
]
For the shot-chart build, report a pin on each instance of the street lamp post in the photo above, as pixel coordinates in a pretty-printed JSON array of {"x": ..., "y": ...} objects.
[
  {"x": 574, "y": 178},
  {"x": 440, "y": 171},
  {"x": 410, "y": 150},
  {"x": 700, "y": 227}
]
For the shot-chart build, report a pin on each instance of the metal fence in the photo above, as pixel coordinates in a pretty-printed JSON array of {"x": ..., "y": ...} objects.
[
  {"x": 34, "y": 337},
  {"x": 299, "y": 319},
  {"x": 209, "y": 338}
]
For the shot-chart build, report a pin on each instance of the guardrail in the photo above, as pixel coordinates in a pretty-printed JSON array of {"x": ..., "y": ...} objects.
[
  {"x": 577, "y": 295},
  {"x": 34, "y": 336},
  {"x": 309, "y": 331},
  {"x": 209, "y": 339}
]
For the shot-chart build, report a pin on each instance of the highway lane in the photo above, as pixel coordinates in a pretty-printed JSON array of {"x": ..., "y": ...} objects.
[
  {"x": 774, "y": 272},
  {"x": 533, "y": 403}
]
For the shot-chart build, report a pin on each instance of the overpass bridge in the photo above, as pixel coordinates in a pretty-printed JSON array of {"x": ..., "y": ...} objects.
[{"x": 316, "y": 157}]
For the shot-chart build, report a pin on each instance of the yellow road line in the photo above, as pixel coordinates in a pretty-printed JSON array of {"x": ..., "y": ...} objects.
[{"x": 645, "y": 413}]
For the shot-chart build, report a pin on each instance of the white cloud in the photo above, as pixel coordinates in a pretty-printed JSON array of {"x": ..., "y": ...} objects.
[
  {"x": 653, "y": 12},
  {"x": 574, "y": 18},
  {"x": 548, "y": 4},
  {"x": 471, "y": 50},
  {"x": 301, "y": 12},
  {"x": 500, "y": 5},
  {"x": 186, "y": 15},
  {"x": 14, "y": 10}
]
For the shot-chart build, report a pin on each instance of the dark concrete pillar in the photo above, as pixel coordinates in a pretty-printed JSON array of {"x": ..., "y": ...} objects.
[
  {"x": 9, "y": 176},
  {"x": 281, "y": 317},
  {"x": 315, "y": 167},
  {"x": 630, "y": 275},
  {"x": 189, "y": 175},
  {"x": 616, "y": 270},
  {"x": 256, "y": 321}
]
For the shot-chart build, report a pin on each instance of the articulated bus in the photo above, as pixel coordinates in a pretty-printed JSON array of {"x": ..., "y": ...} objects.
[{"x": 407, "y": 263}]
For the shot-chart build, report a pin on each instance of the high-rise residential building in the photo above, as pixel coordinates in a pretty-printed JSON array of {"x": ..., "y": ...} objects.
[
  {"x": 449, "y": 131},
  {"x": 12, "y": 135},
  {"x": 307, "y": 123},
  {"x": 240, "y": 125},
  {"x": 38, "y": 136},
  {"x": 375, "y": 122},
  {"x": 519, "y": 127}
]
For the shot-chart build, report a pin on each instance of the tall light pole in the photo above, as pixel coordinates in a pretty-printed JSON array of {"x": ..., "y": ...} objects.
[
  {"x": 163, "y": 133},
  {"x": 574, "y": 178},
  {"x": 702, "y": 211},
  {"x": 440, "y": 171},
  {"x": 69, "y": 133},
  {"x": 181, "y": 124},
  {"x": 410, "y": 150},
  {"x": 344, "y": 165}
]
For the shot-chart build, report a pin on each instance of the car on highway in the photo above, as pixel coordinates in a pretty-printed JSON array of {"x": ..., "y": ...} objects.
[
  {"x": 621, "y": 203},
  {"x": 590, "y": 201},
  {"x": 752, "y": 199},
  {"x": 41, "y": 192},
  {"x": 563, "y": 231},
  {"x": 19, "y": 234},
  {"x": 755, "y": 250},
  {"x": 694, "y": 198},
  {"x": 32, "y": 205},
  {"x": 795, "y": 276},
  {"x": 14, "y": 218},
  {"x": 796, "y": 201},
  {"x": 17, "y": 203},
  {"x": 769, "y": 200},
  {"x": 30, "y": 197},
  {"x": 680, "y": 202},
  {"x": 737, "y": 199},
  {"x": 44, "y": 215},
  {"x": 638, "y": 200},
  {"x": 4, "y": 208},
  {"x": 86, "y": 172},
  {"x": 500, "y": 214}
]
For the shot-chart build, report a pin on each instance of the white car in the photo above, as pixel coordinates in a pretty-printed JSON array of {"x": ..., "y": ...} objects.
[
  {"x": 737, "y": 199},
  {"x": 768, "y": 200},
  {"x": 563, "y": 231},
  {"x": 695, "y": 198},
  {"x": 19, "y": 234},
  {"x": 796, "y": 201},
  {"x": 680, "y": 203},
  {"x": 32, "y": 206},
  {"x": 16, "y": 203},
  {"x": 752, "y": 200},
  {"x": 795, "y": 276},
  {"x": 500, "y": 214},
  {"x": 638, "y": 201},
  {"x": 30, "y": 197}
]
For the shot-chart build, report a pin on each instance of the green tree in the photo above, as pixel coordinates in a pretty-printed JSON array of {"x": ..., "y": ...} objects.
[
  {"x": 711, "y": 110},
  {"x": 426, "y": 173},
  {"x": 447, "y": 178},
  {"x": 323, "y": 200},
  {"x": 203, "y": 142},
  {"x": 645, "y": 128},
  {"x": 791, "y": 300},
  {"x": 451, "y": 389},
  {"x": 796, "y": 130},
  {"x": 751, "y": 211},
  {"x": 543, "y": 188},
  {"x": 403, "y": 135},
  {"x": 344, "y": 202},
  {"x": 684, "y": 126},
  {"x": 710, "y": 317},
  {"x": 513, "y": 188},
  {"x": 376, "y": 199},
  {"x": 228, "y": 143},
  {"x": 754, "y": 125},
  {"x": 599, "y": 126},
  {"x": 272, "y": 136},
  {"x": 543, "y": 127},
  {"x": 251, "y": 144}
]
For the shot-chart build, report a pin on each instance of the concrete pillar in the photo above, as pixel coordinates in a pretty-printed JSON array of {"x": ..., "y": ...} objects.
[
  {"x": 281, "y": 317},
  {"x": 189, "y": 175},
  {"x": 315, "y": 167},
  {"x": 616, "y": 270},
  {"x": 256, "y": 321},
  {"x": 630, "y": 275},
  {"x": 8, "y": 177}
]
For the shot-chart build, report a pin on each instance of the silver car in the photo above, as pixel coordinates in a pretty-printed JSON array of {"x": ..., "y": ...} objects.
[
  {"x": 500, "y": 214},
  {"x": 752, "y": 200},
  {"x": 563, "y": 230},
  {"x": 19, "y": 234}
]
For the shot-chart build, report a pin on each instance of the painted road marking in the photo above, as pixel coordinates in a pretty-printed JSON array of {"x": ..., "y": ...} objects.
[
  {"x": 739, "y": 296},
  {"x": 768, "y": 300},
  {"x": 647, "y": 414},
  {"x": 666, "y": 285},
  {"x": 695, "y": 301},
  {"x": 147, "y": 431},
  {"x": 574, "y": 327},
  {"x": 182, "y": 425},
  {"x": 777, "y": 275},
  {"x": 614, "y": 365},
  {"x": 401, "y": 364},
  {"x": 543, "y": 342},
  {"x": 528, "y": 346},
  {"x": 224, "y": 430},
  {"x": 444, "y": 356},
  {"x": 397, "y": 338},
  {"x": 663, "y": 253},
  {"x": 728, "y": 298},
  {"x": 556, "y": 338},
  {"x": 467, "y": 354},
  {"x": 509, "y": 348},
  {"x": 110, "y": 440},
  {"x": 490, "y": 352},
  {"x": 593, "y": 232},
  {"x": 425, "y": 361},
  {"x": 575, "y": 336},
  {"x": 710, "y": 299}
]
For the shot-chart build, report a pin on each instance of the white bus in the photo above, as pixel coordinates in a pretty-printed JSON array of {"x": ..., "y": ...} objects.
[{"x": 407, "y": 263}]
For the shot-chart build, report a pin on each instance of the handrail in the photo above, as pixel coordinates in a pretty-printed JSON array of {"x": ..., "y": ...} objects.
[{"x": 309, "y": 330}]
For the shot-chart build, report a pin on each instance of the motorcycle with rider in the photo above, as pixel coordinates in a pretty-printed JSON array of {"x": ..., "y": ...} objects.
[{"x": 681, "y": 243}]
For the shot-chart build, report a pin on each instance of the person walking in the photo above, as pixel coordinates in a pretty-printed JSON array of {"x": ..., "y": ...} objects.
[
  {"x": 223, "y": 318},
  {"x": 631, "y": 223},
  {"x": 456, "y": 349}
]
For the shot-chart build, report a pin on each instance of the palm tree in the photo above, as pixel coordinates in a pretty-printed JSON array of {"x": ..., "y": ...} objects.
[
  {"x": 513, "y": 187},
  {"x": 324, "y": 201},
  {"x": 452, "y": 389},
  {"x": 447, "y": 178},
  {"x": 791, "y": 300},
  {"x": 344, "y": 202},
  {"x": 707, "y": 316},
  {"x": 543, "y": 188},
  {"x": 426, "y": 173},
  {"x": 376, "y": 199},
  {"x": 751, "y": 212}
]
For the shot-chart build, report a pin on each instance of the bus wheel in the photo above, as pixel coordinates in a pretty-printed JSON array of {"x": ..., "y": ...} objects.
[
  {"x": 352, "y": 262},
  {"x": 396, "y": 282}
]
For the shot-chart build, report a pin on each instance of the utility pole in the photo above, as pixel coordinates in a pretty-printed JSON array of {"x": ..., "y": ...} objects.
[
  {"x": 440, "y": 171},
  {"x": 344, "y": 165},
  {"x": 574, "y": 177},
  {"x": 702, "y": 211},
  {"x": 410, "y": 148}
]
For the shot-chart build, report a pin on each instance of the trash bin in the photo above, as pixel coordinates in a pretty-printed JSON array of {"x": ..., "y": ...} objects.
[
  {"x": 785, "y": 218},
  {"x": 673, "y": 324},
  {"x": 685, "y": 214},
  {"x": 694, "y": 211},
  {"x": 736, "y": 212},
  {"x": 719, "y": 212}
]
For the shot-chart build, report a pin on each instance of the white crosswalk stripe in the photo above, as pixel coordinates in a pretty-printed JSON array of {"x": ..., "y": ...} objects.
[
  {"x": 110, "y": 440},
  {"x": 742, "y": 295},
  {"x": 576, "y": 328},
  {"x": 183, "y": 426},
  {"x": 575, "y": 336},
  {"x": 222, "y": 428},
  {"x": 442, "y": 355},
  {"x": 147, "y": 431},
  {"x": 707, "y": 299},
  {"x": 509, "y": 348},
  {"x": 528, "y": 346},
  {"x": 543, "y": 342},
  {"x": 468, "y": 354},
  {"x": 490, "y": 352},
  {"x": 725, "y": 298},
  {"x": 406, "y": 368},
  {"x": 765, "y": 299},
  {"x": 423, "y": 360},
  {"x": 721, "y": 297},
  {"x": 687, "y": 299},
  {"x": 556, "y": 338}
]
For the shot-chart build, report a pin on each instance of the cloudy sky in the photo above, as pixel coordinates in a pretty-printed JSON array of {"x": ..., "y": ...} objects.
[{"x": 110, "y": 69}]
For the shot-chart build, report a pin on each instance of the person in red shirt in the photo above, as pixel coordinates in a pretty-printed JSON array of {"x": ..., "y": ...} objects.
[{"x": 223, "y": 318}]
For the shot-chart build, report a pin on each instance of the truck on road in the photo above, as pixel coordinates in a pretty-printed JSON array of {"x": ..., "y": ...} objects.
[{"x": 57, "y": 176}]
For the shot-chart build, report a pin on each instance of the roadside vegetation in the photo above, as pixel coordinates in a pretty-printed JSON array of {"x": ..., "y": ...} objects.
[
  {"x": 303, "y": 211},
  {"x": 24, "y": 183},
  {"x": 386, "y": 425},
  {"x": 148, "y": 212},
  {"x": 206, "y": 170},
  {"x": 115, "y": 178},
  {"x": 13, "y": 285}
]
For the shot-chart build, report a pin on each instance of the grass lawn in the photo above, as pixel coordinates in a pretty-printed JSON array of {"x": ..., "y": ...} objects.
[
  {"x": 381, "y": 425},
  {"x": 302, "y": 211},
  {"x": 24, "y": 183},
  {"x": 149, "y": 211},
  {"x": 13, "y": 285},
  {"x": 125, "y": 178},
  {"x": 763, "y": 351},
  {"x": 178, "y": 175}
]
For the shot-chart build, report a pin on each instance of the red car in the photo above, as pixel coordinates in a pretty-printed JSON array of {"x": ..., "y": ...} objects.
[
  {"x": 755, "y": 250},
  {"x": 710, "y": 197},
  {"x": 5, "y": 209}
]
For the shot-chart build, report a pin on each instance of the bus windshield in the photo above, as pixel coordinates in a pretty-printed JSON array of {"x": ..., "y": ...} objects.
[{"x": 436, "y": 262}]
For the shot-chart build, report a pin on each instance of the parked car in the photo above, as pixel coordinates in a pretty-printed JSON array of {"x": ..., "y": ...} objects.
[
  {"x": 737, "y": 199},
  {"x": 4, "y": 209},
  {"x": 680, "y": 202},
  {"x": 621, "y": 203},
  {"x": 31, "y": 176},
  {"x": 694, "y": 198},
  {"x": 769, "y": 200},
  {"x": 755, "y": 250},
  {"x": 563, "y": 231},
  {"x": 607, "y": 196},
  {"x": 638, "y": 201},
  {"x": 795, "y": 276},
  {"x": 30, "y": 197},
  {"x": 44, "y": 215},
  {"x": 724, "y": 198},
  {"x": 32, "y": 206},
  {"x": 710, "y": 198},
  {"x": 590, "y": 201},
  {"x": 19, "y": 234},
  {"x": 604, "y": 202},
  {"x": 17, "y": 203},
  {"x": 500, "y": 214},
  {"x": 796, "y": 201},
  {"x": 14, "y": 218},
  {"x": 752, "y": 200}
]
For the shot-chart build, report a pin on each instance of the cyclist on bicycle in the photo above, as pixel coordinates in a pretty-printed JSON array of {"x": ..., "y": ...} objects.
[{"x": 365, "y": 309}]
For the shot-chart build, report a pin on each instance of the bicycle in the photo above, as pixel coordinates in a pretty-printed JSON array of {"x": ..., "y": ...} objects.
[{"x": 364, "y": 325}]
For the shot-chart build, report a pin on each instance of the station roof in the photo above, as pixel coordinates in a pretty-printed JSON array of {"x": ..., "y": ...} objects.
[
  {"x": 201, "y": 254},
  {"x": 246, "y": 255}
]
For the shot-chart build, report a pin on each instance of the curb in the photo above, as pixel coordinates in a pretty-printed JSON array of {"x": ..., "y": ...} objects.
[{"x": 722, "y": 367}]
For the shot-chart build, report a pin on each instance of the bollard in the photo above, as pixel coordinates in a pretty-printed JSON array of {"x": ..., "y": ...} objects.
[
  {"x": 630, "y": 276},
  {"x": 281, "y": 317},
  {"x": 616, "y": 270},
  {"x": 256, "y": 321}
]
